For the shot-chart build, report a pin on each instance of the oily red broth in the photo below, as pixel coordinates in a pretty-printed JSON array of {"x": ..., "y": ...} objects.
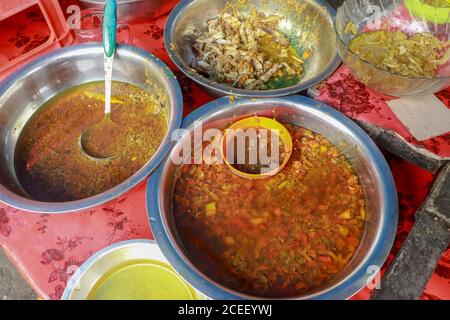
[
  {"x": 49, "y": 163},
  {"x": 283, "y": 236}
]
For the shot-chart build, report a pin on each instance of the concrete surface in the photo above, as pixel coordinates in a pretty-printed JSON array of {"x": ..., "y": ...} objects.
[{"x": 12, "y": 285}]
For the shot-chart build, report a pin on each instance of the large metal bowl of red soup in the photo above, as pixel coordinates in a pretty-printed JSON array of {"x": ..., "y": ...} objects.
[
  {"x": 318, "y": 229},
  {"x": 49, "y": 103}
]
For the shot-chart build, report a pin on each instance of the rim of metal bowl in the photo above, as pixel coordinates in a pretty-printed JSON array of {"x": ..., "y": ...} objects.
[
  {"x": 27, "y": 204},
  {"x": 118, "y": 1},
  {"x": 344, "y": 289},
  {"x": 339, "y": 38},
  {"x": 151, "y": 249},
  {"x": 85, "y": 266},
  {"x": 333, "y": 64}
]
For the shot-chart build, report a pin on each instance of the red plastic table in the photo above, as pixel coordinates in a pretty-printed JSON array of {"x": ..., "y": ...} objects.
[{"x": 47, "y": 249}]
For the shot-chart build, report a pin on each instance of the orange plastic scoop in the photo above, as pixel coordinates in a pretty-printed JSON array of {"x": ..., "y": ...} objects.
[{"x": 276, "y": 129}]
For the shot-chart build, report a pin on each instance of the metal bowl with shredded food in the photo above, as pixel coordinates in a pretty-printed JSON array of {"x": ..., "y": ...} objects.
[
  {"x": 246, "y": 51},
  {"x": 253, "y": 48}
]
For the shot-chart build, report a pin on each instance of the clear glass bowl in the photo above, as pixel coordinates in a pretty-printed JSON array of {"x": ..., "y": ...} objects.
[{"x": 409, "y": 16}]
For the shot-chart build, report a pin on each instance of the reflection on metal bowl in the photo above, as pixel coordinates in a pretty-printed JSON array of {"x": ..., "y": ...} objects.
[
  {"x": 135, "y": 10},
  {"x": 28, "y": 89},
  {"x": 360, "y": 150},
  {"x": 133, "y": 269},
  {"x": 309, "y": 22}
]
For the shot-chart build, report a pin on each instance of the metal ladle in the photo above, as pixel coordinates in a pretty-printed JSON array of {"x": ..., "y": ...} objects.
[{"x": 104, "y": 150}]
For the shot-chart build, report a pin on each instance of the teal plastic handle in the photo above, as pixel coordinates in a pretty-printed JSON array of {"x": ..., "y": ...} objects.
[{"x": 109, "y": 27}]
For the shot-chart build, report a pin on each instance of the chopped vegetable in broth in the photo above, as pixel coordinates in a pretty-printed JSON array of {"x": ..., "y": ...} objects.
[
  {"x": 277, "y": 237},
  {"x": 50, "y": 165}
]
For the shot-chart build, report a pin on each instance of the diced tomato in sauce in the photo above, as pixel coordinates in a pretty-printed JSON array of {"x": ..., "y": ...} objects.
[{"x": 272, "y": 241}]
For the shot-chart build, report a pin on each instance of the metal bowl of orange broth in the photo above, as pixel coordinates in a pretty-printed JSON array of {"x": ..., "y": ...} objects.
[
  {"x": 128, "y": 270},
  {"x": 257, "y": 253},
  {"x": 25, "y": 94}
]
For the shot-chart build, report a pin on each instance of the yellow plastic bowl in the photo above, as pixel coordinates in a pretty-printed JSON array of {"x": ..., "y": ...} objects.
[
  {"x": 258, "y": 123},
  {"x": 438, "y": 15}
]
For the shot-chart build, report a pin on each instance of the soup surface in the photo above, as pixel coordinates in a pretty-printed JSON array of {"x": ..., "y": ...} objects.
[
  {"x": 49, "y": 163},
  {"x": 277, "y": 237},
  {"x": 142, "y": 280}
]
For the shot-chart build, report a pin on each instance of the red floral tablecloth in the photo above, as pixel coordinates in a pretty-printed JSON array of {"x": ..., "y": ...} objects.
[
  {"x": 47, "y": 249},
  {"x": 355, "y": 100}
]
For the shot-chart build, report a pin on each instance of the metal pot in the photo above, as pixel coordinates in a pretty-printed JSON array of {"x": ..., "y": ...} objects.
[
  {"x": 22, "y": 94},
  {"x": 367, "y": 160}
]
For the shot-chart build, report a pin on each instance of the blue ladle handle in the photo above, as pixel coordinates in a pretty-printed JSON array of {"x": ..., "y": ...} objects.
[{"x": 109, "y": 27}]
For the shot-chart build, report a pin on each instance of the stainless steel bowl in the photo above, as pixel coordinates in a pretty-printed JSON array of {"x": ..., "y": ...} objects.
[
  {"x": 310, "y": 21},
  {"x": 110, "y": 258},
  {"x": 22, "y": 94},
  {"x": 368, "y": 162},
  {"x": 135, "y": 10}
]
